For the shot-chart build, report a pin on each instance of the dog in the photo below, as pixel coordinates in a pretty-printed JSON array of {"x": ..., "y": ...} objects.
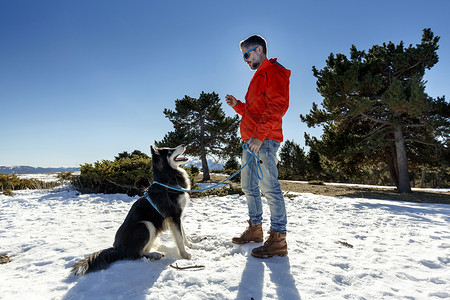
[{"x": 159, "y": 209}]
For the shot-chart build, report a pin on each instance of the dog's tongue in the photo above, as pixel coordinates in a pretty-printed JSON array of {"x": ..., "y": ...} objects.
[{"x": 181, "y": 158}]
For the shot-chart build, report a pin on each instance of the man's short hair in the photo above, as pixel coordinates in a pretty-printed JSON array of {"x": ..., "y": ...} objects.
[{"x": 253, "y": 41}]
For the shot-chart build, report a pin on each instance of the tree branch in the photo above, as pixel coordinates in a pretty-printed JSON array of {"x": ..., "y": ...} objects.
[
  {"x": 416, "y": 125},
  {"x": 411, "y": 67},
  {"x": 345, "y": 244},
  {"x": 420, "y": 142},
  {"x": 376, "y": 120},
  {"x": 124, "y": 186},
  {"x": 185, "y": 268}
]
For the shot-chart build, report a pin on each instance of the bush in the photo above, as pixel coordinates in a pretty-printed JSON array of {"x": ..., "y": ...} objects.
[
  {"x": 10, "y": 183},
  {"x": 64, "y": 176},
  {"x": 236, "y": 178},
  {"x": 316, "y": 182},
  {"x": 128, "y": 173},
  {"x": 232, "y": 164},
  {"x": 132, "y": 174},
  {"x": 224, "y": 191},
  {"x": 231, "y": 167},
  {"x": 193, "y": 170}
]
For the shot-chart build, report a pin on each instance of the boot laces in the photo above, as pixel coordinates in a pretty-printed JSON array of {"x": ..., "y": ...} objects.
[
  {"x": 269, "y": 240},
  {"x": 246, "y": 232}
]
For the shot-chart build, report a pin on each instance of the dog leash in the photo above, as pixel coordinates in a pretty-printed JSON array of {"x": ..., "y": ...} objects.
[{"x": 245, "y": 147}]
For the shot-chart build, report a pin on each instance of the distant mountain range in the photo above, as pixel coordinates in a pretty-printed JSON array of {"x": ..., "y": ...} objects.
[{"x": 33, "y": 170}]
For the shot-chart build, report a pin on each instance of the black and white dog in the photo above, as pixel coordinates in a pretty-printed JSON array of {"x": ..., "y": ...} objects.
[{"x": 161, "y": 208}]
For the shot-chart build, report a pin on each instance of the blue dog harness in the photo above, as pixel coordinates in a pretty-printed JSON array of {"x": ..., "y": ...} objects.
[{"x": 153, "y": 204}]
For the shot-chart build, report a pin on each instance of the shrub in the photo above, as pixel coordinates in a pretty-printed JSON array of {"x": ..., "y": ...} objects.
[
  {"x": 316, "y": 182},
  {"x": 224, "y": 191},
  {"x": 231, "y": 167},
  {"x": 193, "y": 170},
  {"x": 64, "y": 176},
  {"x": 128, "y": 173},
  {"x": 10, "y": 183},
  {"x": 131, "y": 174},
  {"x": 232, "y": 164}
]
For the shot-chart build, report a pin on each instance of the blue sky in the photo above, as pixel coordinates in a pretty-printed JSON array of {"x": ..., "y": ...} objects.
[{"x": 81, "y": 81}]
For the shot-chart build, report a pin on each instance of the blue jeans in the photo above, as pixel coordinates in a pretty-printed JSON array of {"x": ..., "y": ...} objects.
[{"x": 270, "y": 186}]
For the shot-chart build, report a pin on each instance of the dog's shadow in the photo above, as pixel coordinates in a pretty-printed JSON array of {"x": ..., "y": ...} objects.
[{"x": 124, "y": 279}]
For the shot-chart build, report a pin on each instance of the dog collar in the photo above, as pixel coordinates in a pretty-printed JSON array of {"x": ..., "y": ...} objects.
[
  {"x": 153, "y": 204},
  {"x": 177, "y": 187}
]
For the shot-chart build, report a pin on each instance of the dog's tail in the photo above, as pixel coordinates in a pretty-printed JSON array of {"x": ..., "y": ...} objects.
[{"x": 96, "y": 261}]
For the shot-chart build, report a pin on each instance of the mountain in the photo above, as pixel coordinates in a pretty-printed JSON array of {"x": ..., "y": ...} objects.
[
  {"x": 213, "y": 165},
  {"x": 34, "y": 170}
]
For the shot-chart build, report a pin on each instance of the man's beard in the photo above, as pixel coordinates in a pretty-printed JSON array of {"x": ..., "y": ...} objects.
[{"x": 255, "y": 65}]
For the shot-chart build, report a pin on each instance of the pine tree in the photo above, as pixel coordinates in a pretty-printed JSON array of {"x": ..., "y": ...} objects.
[
  {"x": 292, "y": 161},
  {"x": 376, "y": 108},
  {"x": 314, "y": 166},
  {"x": 201, "y": 124}
]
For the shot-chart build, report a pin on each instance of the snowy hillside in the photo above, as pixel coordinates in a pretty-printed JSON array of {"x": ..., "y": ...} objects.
[
  {"x": 400, "y": 250},
  {"x": 212, "y": 164}
]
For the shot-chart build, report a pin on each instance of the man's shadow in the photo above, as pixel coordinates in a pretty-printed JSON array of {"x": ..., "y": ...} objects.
[{"x": 252, "y": 279}]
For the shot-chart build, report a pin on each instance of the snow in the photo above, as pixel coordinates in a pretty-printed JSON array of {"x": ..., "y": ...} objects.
[
  {"x": 400, "y": 250},
  {"x": 212, "y": 163},
  {"x": 46, "y": 177}
]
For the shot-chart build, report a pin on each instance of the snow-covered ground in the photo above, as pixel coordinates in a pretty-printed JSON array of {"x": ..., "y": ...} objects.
[
  {"x": 400, "y": 250},
  {"x": 46, "y": 177}
]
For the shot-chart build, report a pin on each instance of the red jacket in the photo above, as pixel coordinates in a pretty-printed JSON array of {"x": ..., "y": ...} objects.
[{"x": 266, "y": 102}]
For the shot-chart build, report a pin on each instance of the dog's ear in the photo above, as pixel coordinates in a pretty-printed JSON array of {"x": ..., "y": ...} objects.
[
  {"x": 156, "y": 158},
  {"x": 154, "y": 150}
]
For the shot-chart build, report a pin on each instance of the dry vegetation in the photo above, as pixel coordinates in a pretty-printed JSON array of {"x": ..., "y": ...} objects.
[
  {"x": 367, "y": 192},
  {"x": 435, "y": 196}
]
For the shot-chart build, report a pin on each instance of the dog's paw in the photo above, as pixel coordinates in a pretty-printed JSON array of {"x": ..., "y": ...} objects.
[
  {"x": 189, "y": 245},
  {"x": 153, "y": 255},
  {"x": 186, "y": 255}
]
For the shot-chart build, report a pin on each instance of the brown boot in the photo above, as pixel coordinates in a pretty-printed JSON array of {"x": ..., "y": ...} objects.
[
  {"x": 253, "y": 233},
  {"x": 274, "y": 246}
]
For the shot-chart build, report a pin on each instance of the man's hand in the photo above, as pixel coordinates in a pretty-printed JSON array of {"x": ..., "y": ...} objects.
[
  {"x": 231, "y": 100},
  {"x": 254, "y": 144}
]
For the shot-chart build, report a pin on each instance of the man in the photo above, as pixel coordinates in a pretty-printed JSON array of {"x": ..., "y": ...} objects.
[{"x": 266, "y": 102}]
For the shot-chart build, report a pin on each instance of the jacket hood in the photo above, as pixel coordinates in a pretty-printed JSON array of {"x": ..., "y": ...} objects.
[{"x": 273, "y": 63}]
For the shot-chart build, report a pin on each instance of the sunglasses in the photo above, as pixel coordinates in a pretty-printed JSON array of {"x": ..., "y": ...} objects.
[{"x": 247, "y": 54}]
